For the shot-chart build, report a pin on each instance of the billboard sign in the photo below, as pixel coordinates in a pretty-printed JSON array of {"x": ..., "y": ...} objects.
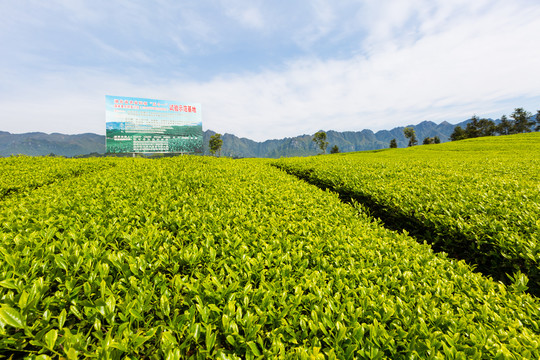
[{"x": 137, "y": 125}]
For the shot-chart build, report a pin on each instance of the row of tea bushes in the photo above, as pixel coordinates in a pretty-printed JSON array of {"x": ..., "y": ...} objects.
[
  {"x": 476, "y": 199},
  {"x": 22, "y": 173}
]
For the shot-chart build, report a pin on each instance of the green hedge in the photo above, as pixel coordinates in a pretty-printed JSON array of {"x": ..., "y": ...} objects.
[{"x": 476, "y": 199}]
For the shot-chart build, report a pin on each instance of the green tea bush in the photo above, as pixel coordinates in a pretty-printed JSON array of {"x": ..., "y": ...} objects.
[
  {"x": 195, "y": 257},
  {"x": 476, "y": 199},
  {"x": 21, "y": 173}
]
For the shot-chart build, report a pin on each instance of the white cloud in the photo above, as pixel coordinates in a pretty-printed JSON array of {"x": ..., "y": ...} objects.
[
  {"x": 323, "y": 17},
  {"x": 248, "y": 16},
  {"x": 463, "y": 68}
]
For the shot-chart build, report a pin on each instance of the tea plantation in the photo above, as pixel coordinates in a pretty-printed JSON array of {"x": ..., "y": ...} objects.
[
  {"x": 200, "y": 257},
  {"x": 476, "y": 199}
]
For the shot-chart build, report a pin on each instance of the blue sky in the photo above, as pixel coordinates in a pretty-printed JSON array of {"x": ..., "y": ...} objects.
[{"x": 269, "y": 69}]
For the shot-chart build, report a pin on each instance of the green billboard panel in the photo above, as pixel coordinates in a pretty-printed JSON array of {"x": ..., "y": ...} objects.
[{"x": 138, "y": 125}]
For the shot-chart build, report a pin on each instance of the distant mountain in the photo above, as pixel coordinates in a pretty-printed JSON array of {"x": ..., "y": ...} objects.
[
  {"x": 38, "y": 144},
  {"x": 346, "y": 141}
]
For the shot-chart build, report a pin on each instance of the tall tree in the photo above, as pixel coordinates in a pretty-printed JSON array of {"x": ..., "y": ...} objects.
[
  {"x": 522, "y": 121},
  {"x": 393, "y": 144},
  {"x": 215, "y": 144},
  {"x": 411, "y": 135},
  {"x": 472, "y": 130},
  {"x": 486, "y": 127},
  {"x": 537, "y": 121},
  {"x": 458, "y": 134},
  {"x": 320, "y": 139},
  {"x": 428, "y": 140},
  {"x": 479, "y": 127},
  {"x": 505, "y": 127}
]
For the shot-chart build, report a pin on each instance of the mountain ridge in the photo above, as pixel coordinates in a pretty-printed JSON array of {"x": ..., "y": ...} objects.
[{"x": 40, "y": 143}]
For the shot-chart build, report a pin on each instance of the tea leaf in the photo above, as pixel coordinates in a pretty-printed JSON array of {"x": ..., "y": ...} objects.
[{"x": 11, "y": 317}]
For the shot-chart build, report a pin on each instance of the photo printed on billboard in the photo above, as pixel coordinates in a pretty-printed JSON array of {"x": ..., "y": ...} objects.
[{"x": 139, "y": 125}]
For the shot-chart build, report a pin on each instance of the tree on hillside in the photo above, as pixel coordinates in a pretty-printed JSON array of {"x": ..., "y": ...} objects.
[
  {"x": 505, "y": 127},
  {"x": 458, "y": 134},
  {"x": 487, "y": 127},
  {"x": 320, "y": 139},
  {"x": 479, "y": 127},
  {"x": 215, "y": 144},
  {"x": 411, "y": 135},
  {"x": 472, "y": 128},
  {"x": 334, "y": 149},
  {"x": 522, "y": 121},
  {"x": 393, "y": 144},
  {"x": 431, "y": 140},
  {"x": 537, "y": 121}
]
